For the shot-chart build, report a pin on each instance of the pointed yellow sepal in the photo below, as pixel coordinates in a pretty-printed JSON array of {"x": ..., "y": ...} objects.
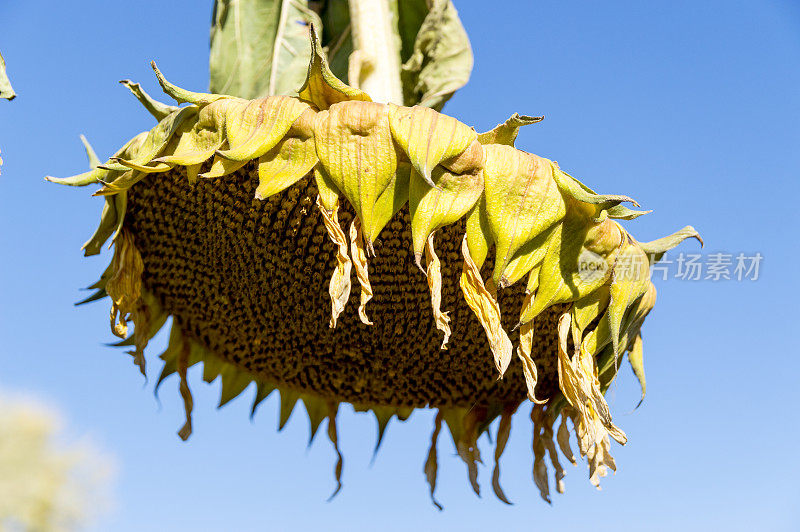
[
  {"x": 290, "y": 160},
  {"x": 522, "y": 202},
  {"x": 182, "y": 95},
  {"x": 322, "y": 88},
  {"x": 630, "y": 281},
  {"x": 256, "y": 128},
  {"x": 159, "y": 110},
  {"x": 636, "y": 360},
  {"x": 355, "y": 148},
  {"x": 454, "y": 195},
  {"x": 478, "y": 233},
  {"x": 578, "y": 260},
  {"x": 98, "y": 174},
  {"x": 203, "y": 138},
  {"x": 656, "y": 249},
  {"x": 506, "y": 133},
  {"x": 155, "y": 142},
  {"x": 524, "y": 352}
]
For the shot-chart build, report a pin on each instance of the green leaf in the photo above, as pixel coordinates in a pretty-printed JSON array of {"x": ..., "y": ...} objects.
[
  {"x": 260, "y": 47},
  {"x": 441, "y": 60},
  {"x": 6, "y": 91},
  {"x": 410, "y": 17}
]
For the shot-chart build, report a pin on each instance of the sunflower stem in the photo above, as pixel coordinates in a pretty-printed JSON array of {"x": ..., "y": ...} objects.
[{"x": 374, "y": 65}]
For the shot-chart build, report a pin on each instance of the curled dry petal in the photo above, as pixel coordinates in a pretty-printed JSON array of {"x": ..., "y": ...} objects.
[
  {"x": 528, "y": 364},
  {"x": 359, "y": 257},
  {"x": 339, "y": 288},
  {"x": 434, "y": 274},
  {"x": 484, "y": 304},
  {"x": 125, "y": 285},
  {"x": 562, "y": 437},
  {"x": 581, "y": 388}
]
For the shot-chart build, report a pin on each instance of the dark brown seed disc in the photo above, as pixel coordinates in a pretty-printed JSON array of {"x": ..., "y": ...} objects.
[{"x": 249, "y": 280}]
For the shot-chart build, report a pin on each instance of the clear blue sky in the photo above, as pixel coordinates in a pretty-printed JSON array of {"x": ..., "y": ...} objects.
[{"x": 692, "y": 107}]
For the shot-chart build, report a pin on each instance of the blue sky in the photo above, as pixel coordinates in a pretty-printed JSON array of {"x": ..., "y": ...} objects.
[{"x": 690, "y": 107}]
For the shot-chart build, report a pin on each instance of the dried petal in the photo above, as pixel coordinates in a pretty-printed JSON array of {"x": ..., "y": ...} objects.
[
  {"x": 434, "y": 274},
  {"x": 528, "y": 364},
  {"x": 562, "y": 436},
  {"x": 503, "y": 431},
  {"x": 125, "y": 285},
  {"x": 339, "y": 288},
  {"x": 579, "y": 384},
  {"x": 483, "y": 303},
  {"x": 431, "y": 464},
  {"x": 359, "y": 258}
]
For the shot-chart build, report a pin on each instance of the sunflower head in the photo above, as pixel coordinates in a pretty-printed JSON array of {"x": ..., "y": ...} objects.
[{"x": 248, "y": 222}]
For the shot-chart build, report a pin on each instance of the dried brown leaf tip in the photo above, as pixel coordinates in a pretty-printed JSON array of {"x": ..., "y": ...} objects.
[{"x": 246, "y": 221}]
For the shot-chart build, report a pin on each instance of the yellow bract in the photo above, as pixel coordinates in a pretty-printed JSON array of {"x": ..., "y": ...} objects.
[
  {"x": 428, "y": 137},
  {"x": 355, "y": 147},
  {"x": 522, "y": 202},
  {"x": 322, "y": 88}
]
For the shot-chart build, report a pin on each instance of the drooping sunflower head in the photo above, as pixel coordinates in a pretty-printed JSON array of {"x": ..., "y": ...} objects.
[{"x": 484, "y": 275}]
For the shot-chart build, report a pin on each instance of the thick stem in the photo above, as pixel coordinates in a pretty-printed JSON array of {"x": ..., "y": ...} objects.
[{"x": 375, "y": 63}]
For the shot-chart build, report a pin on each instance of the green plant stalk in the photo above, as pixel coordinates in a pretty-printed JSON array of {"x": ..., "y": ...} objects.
[{"x": 374, "y": 65}]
